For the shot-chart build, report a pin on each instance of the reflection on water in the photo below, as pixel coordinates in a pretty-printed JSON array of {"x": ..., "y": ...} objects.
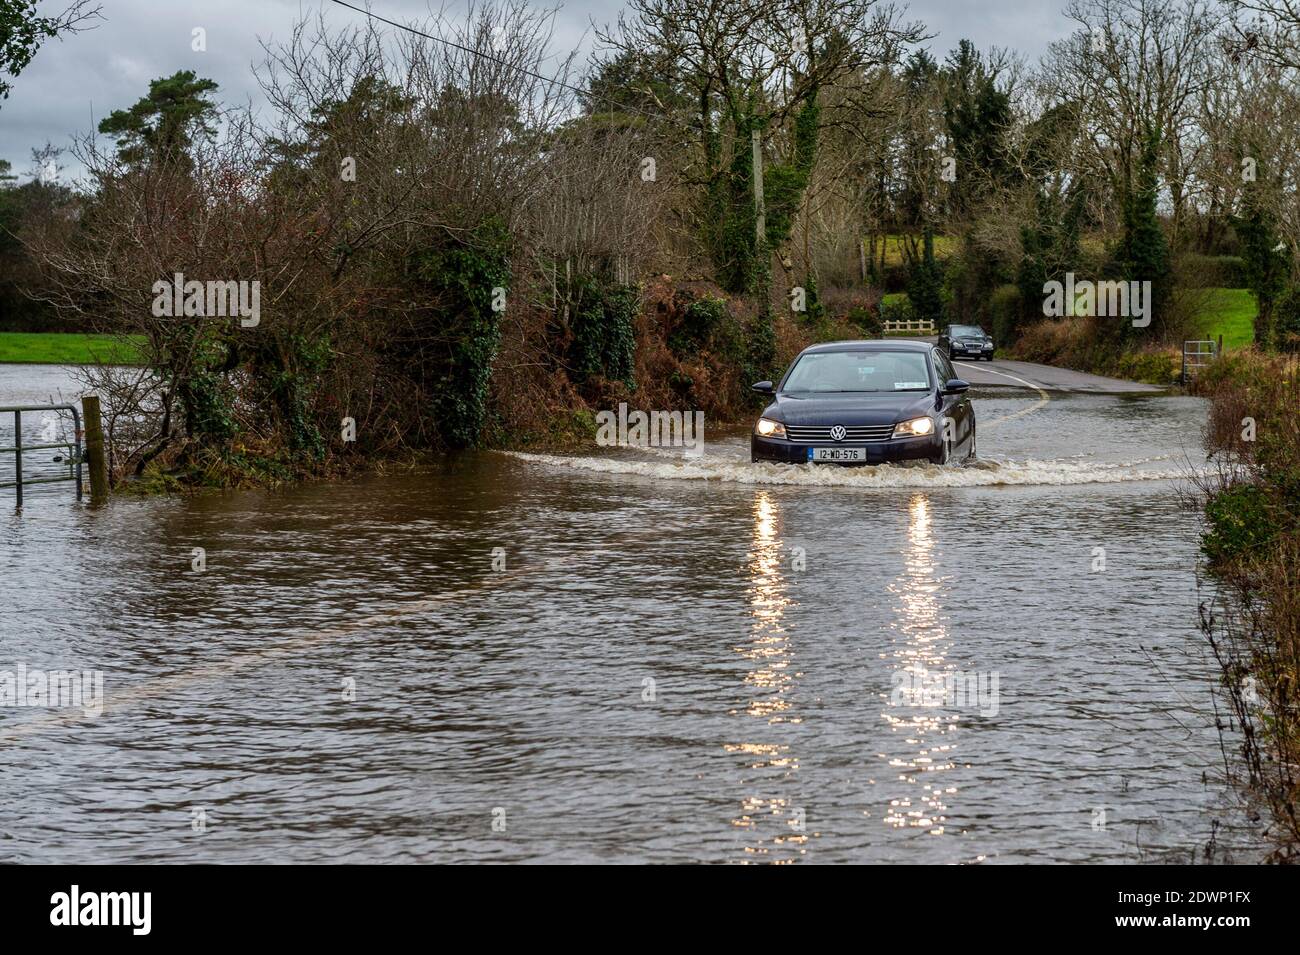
[
  {"x": 769, "y": 821},
  {"x": 920, "y": 726}
]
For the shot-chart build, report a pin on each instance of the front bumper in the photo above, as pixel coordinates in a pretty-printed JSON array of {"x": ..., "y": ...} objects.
[
  {"x": 977, "y": 351},
  {"x": 928, "y": 448}
]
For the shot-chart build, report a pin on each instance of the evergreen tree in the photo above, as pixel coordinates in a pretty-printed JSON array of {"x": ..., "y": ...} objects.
[
  {"x": 1143, "y": 254},
  {"x": 976, "y": 117},
  {"x": 1266, "y": 271},
  {"x": 163, "y": 125},
  {"x": 1050, "y": 247},
  {"x": 925, "y": 284},
  {"x": 920, "y": 75}
]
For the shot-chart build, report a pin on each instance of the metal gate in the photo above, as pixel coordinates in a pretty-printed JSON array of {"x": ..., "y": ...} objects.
[
  {"x": 1197, "y": 355},
  {"x": 73, "y": 460}
]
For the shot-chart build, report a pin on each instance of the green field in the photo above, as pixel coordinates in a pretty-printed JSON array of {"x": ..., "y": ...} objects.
[
  {"x": 944, "y": 246},
  {"x": 1229, "y": 312},
  {"x": 54, "y": 348}
]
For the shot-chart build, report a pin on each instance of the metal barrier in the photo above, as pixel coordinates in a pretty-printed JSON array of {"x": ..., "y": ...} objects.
[
  {"x": 1197, "y": 357},
  {"x": 74, "y": 459}
]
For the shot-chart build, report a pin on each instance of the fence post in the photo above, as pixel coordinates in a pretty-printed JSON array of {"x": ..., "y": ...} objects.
[
  {"x": 95, "y": 450},
  {"x": 18, "y": 456}
]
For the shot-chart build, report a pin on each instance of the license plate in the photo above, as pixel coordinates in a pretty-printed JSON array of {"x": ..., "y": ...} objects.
[{"x": 837, "y": 455}]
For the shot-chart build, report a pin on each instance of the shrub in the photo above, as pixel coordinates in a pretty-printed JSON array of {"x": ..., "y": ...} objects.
[
  {"x": 868, "y": 320},
  {"x": 1286, "y": 320},
  {"x": 603, "y": 324},
  {"x": 815, "y": 311},
  {"x": 1252, "y": 513},
  {"x": 1155, "y": 366},
  {"x": 1211, "y": 271},
  {"x": 463, "y": 275},
  {"x": 895, "y": 308},
  {"x": 760, "y": 359},
  {"x": 1075, "y": 343},
  {"x": 893, "y": 277},
  {"x": 1006, "y": 304},
  {"x": 700, "y": 320},
  {"x": 1051, "y": 341},
  {"x": 1243, "y": 373},
  {"x": 1240, "y": 523}
]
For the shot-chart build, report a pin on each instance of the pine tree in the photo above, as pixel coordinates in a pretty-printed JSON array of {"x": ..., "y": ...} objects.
[{"x": 163, "y": 125}]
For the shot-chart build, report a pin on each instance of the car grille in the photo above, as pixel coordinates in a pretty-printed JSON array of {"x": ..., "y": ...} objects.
[{"x": 869, "y": 432}]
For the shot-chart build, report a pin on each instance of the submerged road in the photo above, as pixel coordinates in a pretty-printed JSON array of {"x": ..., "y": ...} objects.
[{"x": 676, "y": 660}]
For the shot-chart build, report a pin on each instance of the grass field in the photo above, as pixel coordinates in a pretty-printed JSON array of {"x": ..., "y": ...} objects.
[
  {"x": 944, "y": 246},
  {"x": 1229, "y": 312},
  {"x": 53, "y": 348}
]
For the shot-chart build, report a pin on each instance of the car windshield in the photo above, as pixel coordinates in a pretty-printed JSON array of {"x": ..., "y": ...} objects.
[
  {"x": 967, "y": 331},
  {"x": 834, "y": 371}
]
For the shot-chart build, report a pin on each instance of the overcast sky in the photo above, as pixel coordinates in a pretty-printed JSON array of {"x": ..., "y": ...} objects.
[{"x": 73, "y": 83}]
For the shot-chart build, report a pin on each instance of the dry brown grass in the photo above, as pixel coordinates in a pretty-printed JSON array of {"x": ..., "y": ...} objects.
[
  {"x": 1253, "y": 535},
  {"x": 1084, "y": 345}
]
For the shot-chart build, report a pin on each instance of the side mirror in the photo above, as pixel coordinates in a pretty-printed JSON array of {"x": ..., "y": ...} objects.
[
  {"x": 956, "y": 386},
  {"x": 762, "y": 387}
]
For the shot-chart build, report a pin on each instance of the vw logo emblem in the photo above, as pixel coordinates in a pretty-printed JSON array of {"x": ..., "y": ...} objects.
[{"x": 838, "y": 433}]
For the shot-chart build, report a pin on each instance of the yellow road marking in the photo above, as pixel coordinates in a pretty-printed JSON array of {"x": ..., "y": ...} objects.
[
  {"x": 157, "y": 687},
  {"x": 1043, "y": 397}
]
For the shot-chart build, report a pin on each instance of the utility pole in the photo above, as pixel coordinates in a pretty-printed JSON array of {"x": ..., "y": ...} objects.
[{"x": 760, "y": 224}]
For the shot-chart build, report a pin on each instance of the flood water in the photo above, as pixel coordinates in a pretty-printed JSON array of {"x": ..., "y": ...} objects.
[{"x": 700, "y": 660}]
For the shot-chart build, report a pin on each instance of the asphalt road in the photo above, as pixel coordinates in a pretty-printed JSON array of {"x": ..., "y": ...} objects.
[{"x": 1042, "y": 377}]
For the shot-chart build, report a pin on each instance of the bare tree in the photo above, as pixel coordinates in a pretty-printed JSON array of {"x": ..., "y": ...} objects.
[
  {"x": 1137, "y": 68},
  {"x": 1269, "y": 29}
]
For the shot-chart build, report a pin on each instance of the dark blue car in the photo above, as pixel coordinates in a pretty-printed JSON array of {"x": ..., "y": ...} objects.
[{"x": 866, "y": 403}]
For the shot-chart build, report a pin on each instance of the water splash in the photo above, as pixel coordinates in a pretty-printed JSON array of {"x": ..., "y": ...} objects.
[{"x": 985, "y": 472}]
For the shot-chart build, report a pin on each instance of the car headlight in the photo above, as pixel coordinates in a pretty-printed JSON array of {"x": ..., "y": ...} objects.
[
  {"x": 917, "y": 427},
  {"x": 769, "y": 428}
]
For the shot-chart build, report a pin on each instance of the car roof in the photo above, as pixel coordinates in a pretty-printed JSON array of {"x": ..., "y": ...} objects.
[{"x": 874, "y": 344}]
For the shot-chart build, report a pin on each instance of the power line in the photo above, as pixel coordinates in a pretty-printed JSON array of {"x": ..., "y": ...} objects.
[{"x": 510, "y": 66}]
